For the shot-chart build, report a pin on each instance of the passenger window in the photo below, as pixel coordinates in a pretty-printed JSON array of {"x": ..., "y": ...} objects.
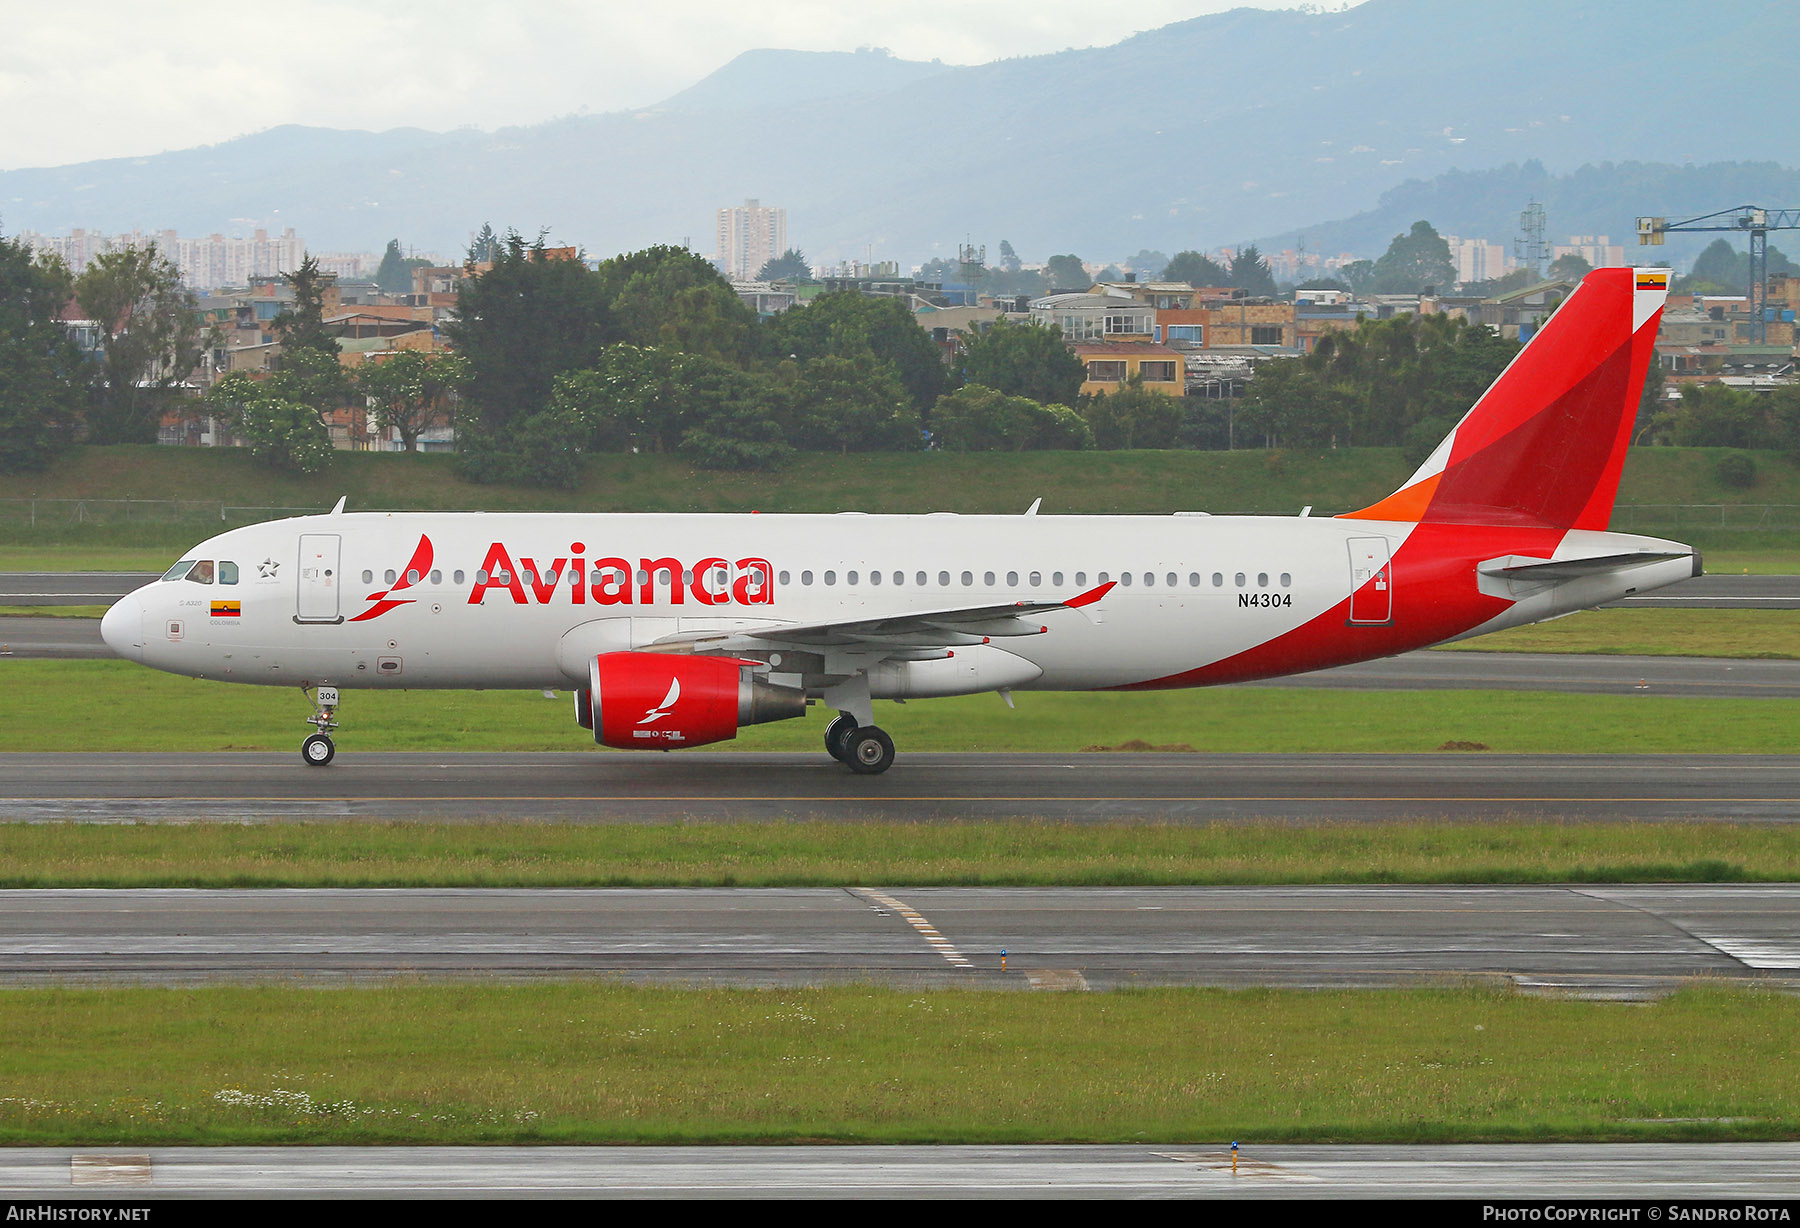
[
  {"x": 830, "y": 577},
  {"x": 806, "y": 578},
  {"x": 920, "y": 579},
  {"x": 481, "y": 575},
  {"x": 850, "y": 579},
  {"x": 1218, "y": 579},
  {"x": 1149, "y": 579},
  {"x": 1081, "y": 579},
  {"x": 1056, "y": 578},
  {"x": 368, "y": 576},
  {"x": 987, "y": 578},
  {"x": 1101, "y": 578},
  {"x": 687, "y": 575},
  {"x": 1012, "y": 579},
  {"x": 388, "y": 576},
  {"x": 1124, "y": 578},
  {"x": 1286, "y": 579},
  {"x": 201, "y": 572},
  {"x": 228, "y": 572},
  {"x": 1240, "y": 579},
  {"x": 783, "y": 577},
  {"x": 457, "y": 576},
  {"x": 412, "y": 575},
  {"x": 1262, "y": 579},
  {"x": 1193, "y": 579},
  {"x": 874, "y": 578},
  {"x": 943, "y": 579},
  {"x": 179, "y": 571},
  {"x": 968, "y": 578},
  {"x": 899, "y": 577},
  {"x": 1036, "y": 578},
  {"x": 1174, "y": 580},
  {"x": 643, "y": 577}
]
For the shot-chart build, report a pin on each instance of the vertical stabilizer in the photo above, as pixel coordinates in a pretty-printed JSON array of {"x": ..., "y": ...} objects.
[{"x": 1544, "y": 446}]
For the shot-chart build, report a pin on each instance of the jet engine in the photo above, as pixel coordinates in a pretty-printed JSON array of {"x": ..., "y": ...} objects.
[{"x": 660, "y": 701}]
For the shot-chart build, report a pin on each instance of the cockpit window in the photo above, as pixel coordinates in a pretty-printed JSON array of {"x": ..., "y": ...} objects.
[
  {"x": 179, "y": 570},
  {"x": 201, "y": 573},
  {"x": 228, "y": 572}
]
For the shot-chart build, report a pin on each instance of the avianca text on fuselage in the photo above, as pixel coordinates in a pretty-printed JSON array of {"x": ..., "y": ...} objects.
[{"x": 612, "y": 580}]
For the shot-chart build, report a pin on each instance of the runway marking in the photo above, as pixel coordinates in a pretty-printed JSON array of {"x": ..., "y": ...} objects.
[
  {"x": 1242, "y": 1167},
  {"x": 109, "y": 1170},
  {"x": 929, "y": 932},
  {"x": 1057, "y": 979}
]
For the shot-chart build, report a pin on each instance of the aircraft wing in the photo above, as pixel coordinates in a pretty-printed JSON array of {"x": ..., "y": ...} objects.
[{"x": 913, "y": 634}]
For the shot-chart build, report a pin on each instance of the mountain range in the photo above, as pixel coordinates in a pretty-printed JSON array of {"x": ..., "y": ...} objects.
[{"x": 1249, "y": 125}]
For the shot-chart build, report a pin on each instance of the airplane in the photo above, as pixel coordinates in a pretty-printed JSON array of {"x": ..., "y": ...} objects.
[{"x": 679, "y": 630}]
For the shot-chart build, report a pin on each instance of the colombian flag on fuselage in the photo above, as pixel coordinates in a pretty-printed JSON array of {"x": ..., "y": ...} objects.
[{"x": 225, "y": 609}]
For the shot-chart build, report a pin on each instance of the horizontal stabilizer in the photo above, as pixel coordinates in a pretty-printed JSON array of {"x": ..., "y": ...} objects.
[{"x": 1515, "y": 567}]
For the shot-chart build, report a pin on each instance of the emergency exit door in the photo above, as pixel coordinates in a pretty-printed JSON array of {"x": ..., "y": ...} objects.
[
  {"x": 320, "y": 579},
  {"x": 1371, "y": 581}
]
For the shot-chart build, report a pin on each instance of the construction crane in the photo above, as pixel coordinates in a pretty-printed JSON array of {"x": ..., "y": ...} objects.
[{"x": 1754, "y": 219}]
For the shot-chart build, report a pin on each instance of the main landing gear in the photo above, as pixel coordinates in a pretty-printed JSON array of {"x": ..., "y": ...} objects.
[
  {"x": 318, "y": 749},
  {"x": 863, "y": 749}
]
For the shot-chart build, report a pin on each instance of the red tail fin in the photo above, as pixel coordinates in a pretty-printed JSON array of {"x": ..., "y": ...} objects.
[{"x": 1546, "y": 444}]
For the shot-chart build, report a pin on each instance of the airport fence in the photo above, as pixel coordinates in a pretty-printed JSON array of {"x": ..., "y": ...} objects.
[
  {"x": 58, "y": 513},
  {"x": 1638, "y": 517}
]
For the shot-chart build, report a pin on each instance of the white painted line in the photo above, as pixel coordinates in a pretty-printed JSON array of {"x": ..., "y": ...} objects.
[{"x": 925, "y": 929}]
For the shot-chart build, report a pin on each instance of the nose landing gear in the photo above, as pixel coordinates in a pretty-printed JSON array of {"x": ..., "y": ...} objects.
[{"x": 318, "y": 749}]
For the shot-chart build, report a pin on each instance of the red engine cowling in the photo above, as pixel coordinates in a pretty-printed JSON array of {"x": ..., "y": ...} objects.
[{"x": 660, "y": 701}]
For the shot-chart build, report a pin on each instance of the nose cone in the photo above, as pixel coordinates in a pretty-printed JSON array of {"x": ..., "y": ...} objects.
[{"x": 123, "y": 628}]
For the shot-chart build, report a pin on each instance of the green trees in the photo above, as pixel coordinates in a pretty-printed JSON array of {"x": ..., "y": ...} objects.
[
  {"x": 1024, "y": 360},
  {"x": 789, "y": 266},
  {"x": 846, "y": 324},
  {"x": 41, "y": 370},
  {"x": 1414, "y": 261},
  {"x": 670, "y": 296},
  {"x": 1066, "y": 273},
  {"x": 394, "y": 275},
  {"x": 978, "y": 419},
  {"x": 1568, "y": 267},
  {"x": 1134, "y": 417},
  {"x": 1196, "y": 270},
  {"x": 1250, "y": 273},
  {"x": 521, "y": 324},
  {"x": 1398, "y": 382},
  {"x": 302, "y": 322},
  {"x": 150, "y": 340},
  {"x": 412, "y": 391}
]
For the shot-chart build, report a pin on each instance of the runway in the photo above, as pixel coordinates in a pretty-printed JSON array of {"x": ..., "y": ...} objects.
[
  {"x": 1629, "y": 941},
  {"x": 593, "y": 787},
  {"x": 1676, "y": 1174}
]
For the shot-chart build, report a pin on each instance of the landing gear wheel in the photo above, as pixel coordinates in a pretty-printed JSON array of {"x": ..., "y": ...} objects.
[
  {"x": 317, "y": 750},
  {"x": 871, "y": 751},
  {"x": 837, "y": 737}
]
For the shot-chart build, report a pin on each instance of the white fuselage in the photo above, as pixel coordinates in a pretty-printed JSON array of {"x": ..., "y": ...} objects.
[{"x": 525, "y": 601}]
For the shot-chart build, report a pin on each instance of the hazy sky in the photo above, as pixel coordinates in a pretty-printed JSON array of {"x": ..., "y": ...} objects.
[{"x": 122, "y": 78}]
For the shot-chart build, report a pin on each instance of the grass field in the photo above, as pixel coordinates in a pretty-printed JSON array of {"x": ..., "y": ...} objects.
[
  {"x": 859, "y": 850},
  {"x": 1656, "y": 481},
  {"x": 119, "y": 706},
  {"x": 594, "y": 1063},
  {"x": 1744, "y": 634}
]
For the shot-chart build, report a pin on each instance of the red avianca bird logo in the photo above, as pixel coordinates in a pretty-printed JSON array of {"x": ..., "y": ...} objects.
[{"x": 415, "y": 569}]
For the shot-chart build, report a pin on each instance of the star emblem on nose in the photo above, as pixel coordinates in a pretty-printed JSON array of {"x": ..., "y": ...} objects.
[{"x": 267, "y": 569}]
